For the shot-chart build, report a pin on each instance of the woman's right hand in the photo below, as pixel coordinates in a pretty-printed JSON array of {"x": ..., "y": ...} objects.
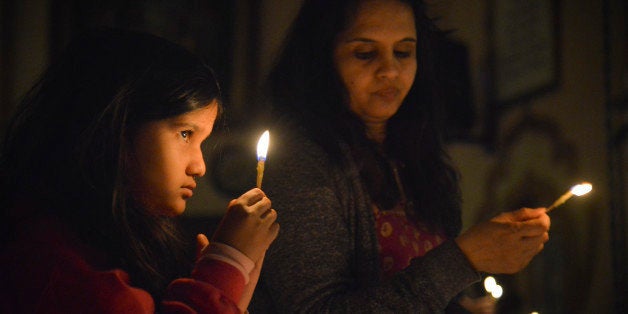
[
  {"x": 506, "y": 243},
  {"x": 249, "y": 224}
]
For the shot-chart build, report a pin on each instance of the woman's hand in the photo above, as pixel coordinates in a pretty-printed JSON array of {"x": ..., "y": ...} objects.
[
  {"x": 506, "y": 243},
  {"x": 482, "y": 305},
  {"x": 249, "y": 224}
]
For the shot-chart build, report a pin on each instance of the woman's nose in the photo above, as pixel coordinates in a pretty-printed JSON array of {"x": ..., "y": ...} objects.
[{"x": 388, "y": 68}]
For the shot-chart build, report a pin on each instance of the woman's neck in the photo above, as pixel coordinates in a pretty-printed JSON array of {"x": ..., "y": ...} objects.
[{"x": 376, "y": 132}]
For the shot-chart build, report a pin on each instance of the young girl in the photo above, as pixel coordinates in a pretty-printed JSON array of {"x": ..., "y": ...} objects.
[{"x": 101, "y": 155}]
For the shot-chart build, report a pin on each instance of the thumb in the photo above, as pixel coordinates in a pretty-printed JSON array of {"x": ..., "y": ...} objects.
[
  {"x": 232, "y": 202},
  {"x": 201, "y": 243}
]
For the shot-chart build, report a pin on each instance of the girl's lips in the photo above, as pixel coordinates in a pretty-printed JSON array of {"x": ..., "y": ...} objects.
[{"x": 188, "y": 192}]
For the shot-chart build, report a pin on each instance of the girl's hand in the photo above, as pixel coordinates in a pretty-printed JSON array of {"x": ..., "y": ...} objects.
[
  {"x": 201, "y": 244},
  {"x": 249, "y": 224},
  {"x": 506, "y": 243}
]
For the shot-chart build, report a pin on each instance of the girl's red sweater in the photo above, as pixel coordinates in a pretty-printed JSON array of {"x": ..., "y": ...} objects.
[{"x": 45, "y": 269}]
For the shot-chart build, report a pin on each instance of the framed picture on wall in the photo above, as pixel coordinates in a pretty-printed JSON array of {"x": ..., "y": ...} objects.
[{"x": 524, "y": 49}]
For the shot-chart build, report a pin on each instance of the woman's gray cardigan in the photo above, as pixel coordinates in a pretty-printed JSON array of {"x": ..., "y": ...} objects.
[{"x": 325, "y": 259}]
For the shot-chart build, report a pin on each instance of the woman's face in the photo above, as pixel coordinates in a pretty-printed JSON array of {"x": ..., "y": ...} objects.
[
  {"x": 168, "y": 157},
  {"x": 376, "y": 59}
]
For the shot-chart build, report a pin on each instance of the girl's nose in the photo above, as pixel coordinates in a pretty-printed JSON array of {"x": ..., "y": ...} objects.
[{"x": 197, "y": 164}]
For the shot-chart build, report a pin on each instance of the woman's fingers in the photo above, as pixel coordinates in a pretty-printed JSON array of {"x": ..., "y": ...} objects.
[
  {"x": 524, "y": 214},
  {"x": 506, "y": 243}
]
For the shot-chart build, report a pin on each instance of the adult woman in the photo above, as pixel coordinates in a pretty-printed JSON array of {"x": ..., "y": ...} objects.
[
  {"x": 369, "y": 205},
  {"x": 101, "y": 155}
]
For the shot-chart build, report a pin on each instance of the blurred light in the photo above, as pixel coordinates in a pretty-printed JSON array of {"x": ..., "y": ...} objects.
[
  {"x": 497, "y": 292},
  {"x": 581, "y": 189},
  {"x": 489, "y": 284}
]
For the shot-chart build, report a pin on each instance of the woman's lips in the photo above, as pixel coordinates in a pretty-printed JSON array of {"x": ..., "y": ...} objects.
[{"x": 389, "y": 93}]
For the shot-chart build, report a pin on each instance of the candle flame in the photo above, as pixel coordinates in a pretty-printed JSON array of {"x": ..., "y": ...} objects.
[
  {"x": 262, "y": 145},
  {"x": 581, "y": 189}
]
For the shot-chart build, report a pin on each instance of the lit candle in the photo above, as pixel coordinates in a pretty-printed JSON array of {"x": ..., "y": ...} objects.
[
  {"x": 262, "y": 149},
  {"x": 577, "y": 190}
]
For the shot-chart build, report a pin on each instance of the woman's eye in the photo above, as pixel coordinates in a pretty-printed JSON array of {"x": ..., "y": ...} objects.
[
  {"x": 403, "y": 54},
  {"x": 365, "y": 55},
  {"x": 186, "y": 135}
]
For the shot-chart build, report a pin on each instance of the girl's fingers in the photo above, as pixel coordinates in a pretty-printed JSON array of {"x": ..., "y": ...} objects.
[
  {"x": 274, "y": 230},
  {"x": 253, "y": 196},
  {"x": 261, "y": 206},
  {"x": 248, "y": 199},
  {"x": 201, "y": 243},
  {"x": 270, "y": 213}
]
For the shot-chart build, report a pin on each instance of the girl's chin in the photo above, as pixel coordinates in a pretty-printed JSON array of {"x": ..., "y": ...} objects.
[
  {"x": 178, "y": 210},
  {"x": 173, "y": 210}
]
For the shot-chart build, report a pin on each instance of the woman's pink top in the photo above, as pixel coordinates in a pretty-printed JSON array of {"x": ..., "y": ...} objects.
[{"x": 400, "y": 240}]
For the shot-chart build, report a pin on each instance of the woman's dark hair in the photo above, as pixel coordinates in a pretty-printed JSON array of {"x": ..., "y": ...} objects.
[
  {"x": 68, "y": 145},
  {"x": 304, "y": 83}
]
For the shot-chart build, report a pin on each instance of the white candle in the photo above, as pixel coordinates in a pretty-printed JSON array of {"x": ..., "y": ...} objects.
[{"x": 262, "y": 149}]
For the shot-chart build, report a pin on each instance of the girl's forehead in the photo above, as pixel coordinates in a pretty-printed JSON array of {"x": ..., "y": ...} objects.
[{"x": 209, "y": 113}]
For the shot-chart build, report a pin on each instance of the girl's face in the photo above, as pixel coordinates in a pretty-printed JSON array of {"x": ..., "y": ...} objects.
[
  {"x": 167, "y": 158},
  {"x": 376, "y": 59}
]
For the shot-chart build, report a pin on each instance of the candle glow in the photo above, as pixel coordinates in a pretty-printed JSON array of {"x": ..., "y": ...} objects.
[
  {"x": 581, "y": 189},
  {"x": 577, "y": 190},
  {"x": 262, "y": 149}
]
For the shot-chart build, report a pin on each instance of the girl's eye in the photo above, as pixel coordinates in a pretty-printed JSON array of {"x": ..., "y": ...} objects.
[
  {"x": 365, "y": 55},
  {"x": 186, "y": 135}
]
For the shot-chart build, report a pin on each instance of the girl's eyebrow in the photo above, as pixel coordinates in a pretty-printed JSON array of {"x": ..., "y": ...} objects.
[{"x": 192, "y": 126}]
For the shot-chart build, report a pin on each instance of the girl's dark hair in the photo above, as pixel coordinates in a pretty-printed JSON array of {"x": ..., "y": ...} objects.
[
  {"x": 68, "y": 145},
  {"x": 304, "y": 83}
]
